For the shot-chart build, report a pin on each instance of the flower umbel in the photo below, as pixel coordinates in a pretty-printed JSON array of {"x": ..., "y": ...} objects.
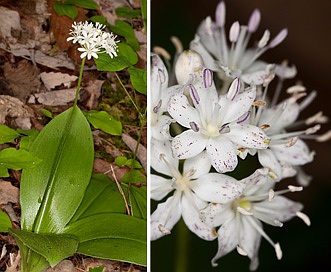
[{"x": 93, "y": 40}]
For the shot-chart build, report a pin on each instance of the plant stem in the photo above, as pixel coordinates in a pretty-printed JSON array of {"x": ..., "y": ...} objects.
[
  {"x": 79, "y": 80},
  {"x": 182, "y": 248},
  {"x": 132, "y": 101}
]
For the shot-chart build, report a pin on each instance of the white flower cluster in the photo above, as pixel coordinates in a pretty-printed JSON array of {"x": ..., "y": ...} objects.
[
  {"x": 201, "y": 130},
  {"x": 93, "y": 40}
]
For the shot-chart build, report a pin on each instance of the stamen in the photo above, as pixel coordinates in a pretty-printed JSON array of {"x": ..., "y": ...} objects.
[
  {"x": 296, "y": 89},
  {"x": 178, "y": 44},
  {"x": 295, "y": 188},
  {"x": 317, "y": 118},
  {"x": 164, "y": 230},
  {"x": 304, "y": 218},
  {"x": 194, "y": 126},
  {"x": 234, "y": 89},
  {"x": 207, "y": 78},
  {"x": 157, "y": 107},
  {"x": 224, "y": 129},
  {"x": 325, "y": 137},
  {"x": 265, "y": 126},
  {"x": 259, "y": 103},
  {"x": 254, "y": 21},
  {"x": 241, "y": 251},
  {"x": 271, "y": 195},
  {"x": 279, "y": 38},
  {"x": 308, "y": 100},
  {"x": 243, "y": 211},
  {"x": 244, "y": 117},
  {"x": 161, "y": 51},
  {"x": 194, "y": 94},
  {"x": 313, "y": 129},
  {"x": 220, "y": 14},
  {"x": 264, "y": 40},
  {"x": 278, "y": 250},
  {"x": 234, "y": 32},
  {"x": 291, "y": 142}
]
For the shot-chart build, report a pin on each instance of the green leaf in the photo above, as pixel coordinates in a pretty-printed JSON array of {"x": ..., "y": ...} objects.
[
  {"x": 96, "y": 269},
  {"x": 51, "y": 193},
  {"x": 7, "y": 134},
  {"x": 102, "y": 120},
  {"x": 47, "y": 113},
  {"x": 134, "y": 176},
  {"x": 112, "y": 236},
  {"x": 102, "y": 196},
  {"x": 17, "y": 159},
  {"x": 138, "y": 201},
  {"x": 4, "y": 171},
  {"x": 28, "y": 138},
  {"x": 87, "y": 4},
  {"x": 125, "y": 30},
  {"x": 138, "y": 79},
  {"x": 126, "y": 57},
  {"x": 68, "y": 10},
  {"x": 143, "y": 4},
  {"x": 123, "y": 161},
  {"x": 126, "y": 12},
  {"x": 53, "y": 247},
  {"x": 5, "y": 222}
]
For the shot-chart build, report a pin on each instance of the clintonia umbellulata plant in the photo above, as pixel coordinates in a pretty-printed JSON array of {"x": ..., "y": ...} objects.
[
  {"x": 204, "y": 121},
  {"x": 63, "y": 207}
]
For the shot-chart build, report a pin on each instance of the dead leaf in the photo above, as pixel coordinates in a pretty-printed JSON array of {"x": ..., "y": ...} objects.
[
  {"x": 142, "y": 151},
  {"x": 8, "y": 193},
  {"x": 9, "y": 20},
  {"x": 101, "y": 166},
  {"x": 20, "y": 80},
  {"x": 94, "y": 89},
  {"x": 63, "y": 266},
  {"x": 14, "y": 108},
  {"x": 56, "y": 98},
  {"x": 52, "y": 80}
]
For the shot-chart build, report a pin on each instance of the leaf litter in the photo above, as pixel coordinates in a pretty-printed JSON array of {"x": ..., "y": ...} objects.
[{"x": 38, "y": 70}]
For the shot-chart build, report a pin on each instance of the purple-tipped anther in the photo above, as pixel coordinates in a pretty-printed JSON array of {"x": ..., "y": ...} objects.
[
  {"x": 244, "y": 117},
  {"x": 279, "y": 38},
  {"x": 234, "y": 32},
  {"x": 207, "y": 78},
  {"x": 162, "y": 76},
  {"x": 194, "y": 126},
  {"x": 234, "y": 89},
  {"x": 224, "y": 129},
  {"x": 220, "y": 14},
  {"x": 194, "y": 95},
  {"x": 157, "y": 107},
  {"x": 254, "y": 21}
]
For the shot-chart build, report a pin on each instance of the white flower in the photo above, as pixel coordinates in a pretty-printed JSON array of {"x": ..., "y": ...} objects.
[
  {"x": 192, "y": 189},
  {"x": 216, "y": 124},
  {"x": 160, "y": 95},
  {"x": 236, "y": 60},
  {"x": 240, "y": 220},
  {"x": 93, "y": 40},
  {"x": 287, "y": 150}
]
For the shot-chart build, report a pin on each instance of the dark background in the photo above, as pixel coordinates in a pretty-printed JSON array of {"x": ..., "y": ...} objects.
[{"x": 308, "y": 46}]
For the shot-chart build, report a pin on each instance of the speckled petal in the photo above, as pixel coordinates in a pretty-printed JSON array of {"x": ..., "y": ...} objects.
[
  {"x": 268, "y": 159},
  {"x": 248, "y": 136},
  {"x": 192, "y": 219},
  {"x": 165, "y": 217},
  {"x": 217, "y": 188},
  {"x": 188, "y": 144},
  {"x": 222, "y": 154},
  {"x": 181, "y": 110},
  {"x": 197, "y": 166}
]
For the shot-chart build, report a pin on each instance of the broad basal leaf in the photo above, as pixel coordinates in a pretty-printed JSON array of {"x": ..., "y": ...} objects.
[
  {"x": 112, "y": 236},
  {"x": 125, "y": 30},
  {"x": 101, "y": 196},
  {"x": 52, "y": 192},
  {"x": 87, "y": 4},
  {"x": 68, "y": 10},
  {"x": 53, "y": 247}
]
